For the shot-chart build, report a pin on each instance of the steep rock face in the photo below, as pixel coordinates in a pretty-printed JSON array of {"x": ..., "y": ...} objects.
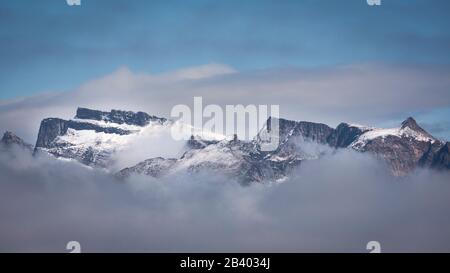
[
  {"x": 49, "y": 129},
  {"x": 244, "y": 160},
  {"x": 240, "y": 160},
  {"x": 198, "y": 143},
  {"x": 155, "y": 167},
  {"x": 428, "y": 157},
  {"x": 345, "y": 134},
  {"x": 403, "y": 148},
  {"x": 118, "y": 117},
  {"x": 9, "y": 140},
  {"x": 293, "y": 136},
  {"x": 236, "y": 159},
  {"x": 316, "y": 132},
  {"x": 441, "y": 159},
  {"x": 341, "y": 137},
  {"x": 402, "y": 155},
  {"x": 412, "y": 125},
  {"x": 92, "y": 137}
]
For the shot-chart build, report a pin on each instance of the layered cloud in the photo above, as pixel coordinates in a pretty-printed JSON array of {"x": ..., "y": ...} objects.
[
  {"x": 357, "y": 93},
  {"x": 337, "y": 203}
]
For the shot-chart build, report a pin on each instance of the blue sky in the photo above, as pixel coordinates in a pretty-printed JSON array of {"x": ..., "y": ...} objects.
[{"x": 47, "y": 45}]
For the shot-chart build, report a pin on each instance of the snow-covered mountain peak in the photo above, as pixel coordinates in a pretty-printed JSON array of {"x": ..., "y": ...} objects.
[
  {"x": 9, "y": 139},
  {"x": 409, "y": 129},
  {"x": 410, "y": 124},
  {"x": 93, "y": 136},
  {"x": 118, "y": 139},
  {"x": 118, "y": 117}
]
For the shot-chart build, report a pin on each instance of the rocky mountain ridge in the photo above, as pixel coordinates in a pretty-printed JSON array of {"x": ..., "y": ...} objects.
[{"x": 93, "y": 136}]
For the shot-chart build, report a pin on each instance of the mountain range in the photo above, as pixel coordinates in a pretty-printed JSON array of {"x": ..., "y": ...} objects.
[{"x": 93, "y": 137}]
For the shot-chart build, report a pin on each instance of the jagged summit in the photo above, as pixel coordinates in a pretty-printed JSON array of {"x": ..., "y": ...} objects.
[
  {"x": 441, "y": 159},
  {"x": 403, "y": 148},
  {"x": 10, "y": 139},
  {"x": 412, "y": 124},
  {"x": 93, "y": 137}
]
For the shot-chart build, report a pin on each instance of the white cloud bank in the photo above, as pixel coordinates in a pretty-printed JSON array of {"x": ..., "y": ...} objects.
[
  {"x": 337, "y": 204},
  {"x": 358, "y": 93}
]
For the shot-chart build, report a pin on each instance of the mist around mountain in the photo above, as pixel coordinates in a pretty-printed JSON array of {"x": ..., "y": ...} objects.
[
  {"x": 99, "y": 139},
  {"x": 336, "y": 203},
  {"x": 87, "y": 155},
  {"x": 323, "y": 190}
]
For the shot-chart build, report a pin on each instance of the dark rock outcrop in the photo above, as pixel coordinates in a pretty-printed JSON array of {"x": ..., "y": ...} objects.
[
  {"x": 49, "y": 129},
  {"x": 404, "y": 149},
  {"x": 412, "y": 147},
  {"x": 344, "y": 135},
  {"x": 316, "y": 132},
  {"x": 402, "y": 155},
  {"x": 198, "y": 143},
  {"x": 115, "y": 122},
  {"x": 155, "y": 167},
  {"x": 441, "y": 159},
  {"x": 430, "y": 153},
  {"x": 412, "y": 124},
  {"x": 118, "y": 116},
  {"x": 341, "y": 137},
  {"x": 9, "y": 140}
]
